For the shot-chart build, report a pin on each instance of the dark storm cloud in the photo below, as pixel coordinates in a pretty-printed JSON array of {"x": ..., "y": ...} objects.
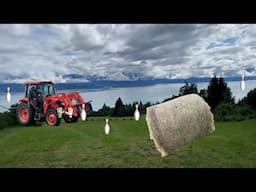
[{"x": 153, "y": 42}]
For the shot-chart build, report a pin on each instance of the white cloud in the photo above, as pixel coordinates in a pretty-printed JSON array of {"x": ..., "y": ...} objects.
[{"x": 123, "y": 51}]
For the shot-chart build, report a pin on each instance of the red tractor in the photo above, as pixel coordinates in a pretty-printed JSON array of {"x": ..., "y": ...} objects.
[{"x": 41, "y": 103}]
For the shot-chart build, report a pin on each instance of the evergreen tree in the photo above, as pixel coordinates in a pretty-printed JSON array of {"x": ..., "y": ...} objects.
[
  {"x": 141, "y": 107},
  {"x": 226, "y": 94},
  {"x": 104, "y": 111},
  {"x": 250, "y": 99},
  {"x": 217, "y": 92},
  {"x": 188, "y": 88},
  {"x": 119, "y": 109},
  {"x": 203, "y": 94},
  {"x": 212, "y": 92},
  {"x": 128, "y": 110}
]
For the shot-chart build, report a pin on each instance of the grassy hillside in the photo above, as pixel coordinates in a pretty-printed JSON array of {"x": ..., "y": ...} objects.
[{"x": 84, "y": 144}]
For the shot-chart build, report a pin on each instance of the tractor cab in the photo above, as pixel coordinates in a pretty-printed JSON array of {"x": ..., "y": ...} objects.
[{"x": 42, "y": 89}]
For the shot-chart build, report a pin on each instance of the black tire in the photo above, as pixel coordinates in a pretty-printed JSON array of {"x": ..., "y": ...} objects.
[
  {"x": 24, "y": 114},
  {"x": 88, "y": 107},
  {"x": 70, "y": 120},
  {"x": 51, "y": 117}
]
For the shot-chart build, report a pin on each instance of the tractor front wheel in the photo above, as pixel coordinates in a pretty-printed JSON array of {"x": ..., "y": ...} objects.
[
  {"x": 51, "y": 117},
  {"x": 25, "y": 115},
  {"x": 70, "y": 120}
]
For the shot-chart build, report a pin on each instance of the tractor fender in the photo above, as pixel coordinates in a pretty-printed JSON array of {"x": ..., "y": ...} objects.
[{"x": 23, "y": 100}]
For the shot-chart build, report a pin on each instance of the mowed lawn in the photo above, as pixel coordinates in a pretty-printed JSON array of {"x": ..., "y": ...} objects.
[{"x": 84, "y": 145}]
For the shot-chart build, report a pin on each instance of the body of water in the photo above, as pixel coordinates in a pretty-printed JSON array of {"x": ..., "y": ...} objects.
[{"x": 154, "y": 93}]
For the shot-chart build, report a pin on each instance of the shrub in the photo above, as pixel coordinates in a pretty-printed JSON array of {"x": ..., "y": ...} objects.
[
  {"x": 250, "y": 99},
  {"x": 3, "y": 123},
  {"x": 233, "y": 112},
  {"x": 8, "y": 119}
]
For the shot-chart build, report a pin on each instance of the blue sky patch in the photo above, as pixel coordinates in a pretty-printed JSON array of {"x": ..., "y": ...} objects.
[
  {"x": 230, "y": 41},
  {"x": 227, "y": 42},
  {"x": 250, "y": 69}
]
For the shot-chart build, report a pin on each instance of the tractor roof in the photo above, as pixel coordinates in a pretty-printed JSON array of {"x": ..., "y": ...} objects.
[{"x": 36, "y": 82}]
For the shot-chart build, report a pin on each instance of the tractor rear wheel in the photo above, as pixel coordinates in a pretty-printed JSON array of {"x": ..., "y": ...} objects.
[
  {"x": 51, "y": 117},
  {"x": 25, "y": 115}
]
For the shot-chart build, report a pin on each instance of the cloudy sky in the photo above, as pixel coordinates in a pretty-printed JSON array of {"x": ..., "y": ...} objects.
[{"x": 125, "y": 51}]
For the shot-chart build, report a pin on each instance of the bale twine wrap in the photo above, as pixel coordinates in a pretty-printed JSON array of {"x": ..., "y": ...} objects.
[{"x": 177, "y": 122}]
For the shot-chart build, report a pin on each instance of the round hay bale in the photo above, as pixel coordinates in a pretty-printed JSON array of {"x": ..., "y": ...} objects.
[{"x": 177, "y": 122}]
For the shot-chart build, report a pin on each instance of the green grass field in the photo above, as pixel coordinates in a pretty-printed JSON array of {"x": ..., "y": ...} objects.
[{"x": 83, "y": 144}]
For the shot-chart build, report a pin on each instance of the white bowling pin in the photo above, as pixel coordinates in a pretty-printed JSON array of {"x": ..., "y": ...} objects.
[
  {"x": 242, "y": 83},
  {"x": 136, "y": 113},
  {"x": 83, "y": 113},
  {"x": 106, "y": 128},
  {"x": 8, "y": 95}
]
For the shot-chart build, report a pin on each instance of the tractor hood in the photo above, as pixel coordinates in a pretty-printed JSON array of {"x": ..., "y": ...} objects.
[
  {"x": 66, "y": 100},
  {"x": 72, "y": 98}
]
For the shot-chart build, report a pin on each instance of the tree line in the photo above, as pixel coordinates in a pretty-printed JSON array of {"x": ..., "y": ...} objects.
[
  {"x": 221, "y": 100},
  {"x": 120, "y": 109},
  {"x": 218, "y": 96}
]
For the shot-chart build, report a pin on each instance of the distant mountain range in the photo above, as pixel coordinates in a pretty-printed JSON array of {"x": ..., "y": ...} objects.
[
  {"x": 95, "y": 83},
  {"x": 138, "y": 78}
]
